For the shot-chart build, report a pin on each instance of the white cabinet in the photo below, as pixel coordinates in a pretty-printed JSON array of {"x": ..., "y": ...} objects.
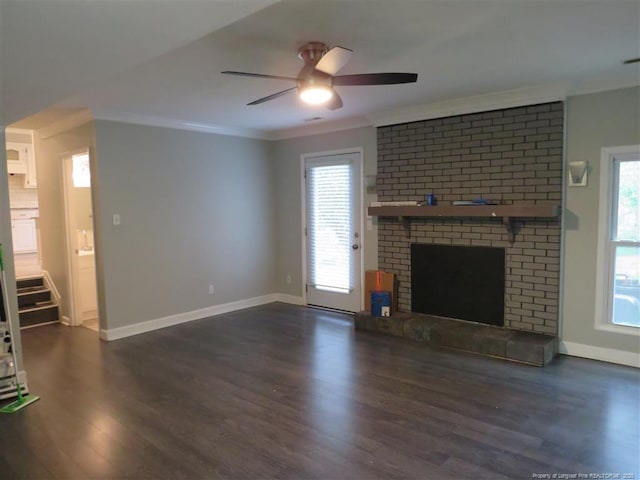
[
  {"x": 30, "y": 180},
  {"x": 86, "y": 283},
  {"x": 22, "y": 161},
  {"x": 24, "y": 234},
  {"x": 17, "y": 154}
]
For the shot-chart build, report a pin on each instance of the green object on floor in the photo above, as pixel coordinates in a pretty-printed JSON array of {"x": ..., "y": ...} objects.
[{"x": 23, "y": 400}]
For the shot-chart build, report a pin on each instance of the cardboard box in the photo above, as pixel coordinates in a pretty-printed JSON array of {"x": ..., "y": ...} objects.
[
  {"x": 379, "y": 281},
  {"x": 380, "y": 304}
]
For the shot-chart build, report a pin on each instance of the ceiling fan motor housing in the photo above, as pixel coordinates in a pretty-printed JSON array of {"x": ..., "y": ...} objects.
[
  {"x": 313, "y": 78},
  {"x": 311, "y": 53}
]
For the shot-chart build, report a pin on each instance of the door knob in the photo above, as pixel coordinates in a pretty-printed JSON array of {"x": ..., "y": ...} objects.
[{"x": 355, "y": 246}]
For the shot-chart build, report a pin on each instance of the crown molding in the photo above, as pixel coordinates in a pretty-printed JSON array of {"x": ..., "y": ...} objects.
[
  {"x": 320, "y": 128},
  {"x": 507, "y": 99},
  {"x": 17, "y": 130},
  {"x": 446, "y": 108},
  {"x": 67, "y": 123},
  {"x": 152, "y": 121},
  {"x": 473, "y": 104},
  {"x": 606, "y": 83}
]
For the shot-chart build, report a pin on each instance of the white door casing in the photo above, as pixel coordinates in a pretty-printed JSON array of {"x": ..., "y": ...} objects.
[
  {"x": 332, "y": 222},
  {"x": 80, "y": 249}
]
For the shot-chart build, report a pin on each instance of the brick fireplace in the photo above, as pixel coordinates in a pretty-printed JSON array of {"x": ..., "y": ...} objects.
[{"x": 511, "y": 156}]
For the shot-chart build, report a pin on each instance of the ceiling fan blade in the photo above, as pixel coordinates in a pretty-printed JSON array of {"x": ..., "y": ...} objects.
[
  {"x": 332, "y": 61},
  {"x": 271, "y": 97},
  {"x": 375, "y": 79},
  {"x": 335, "y": 102},
  {"x": 258, "y": 75}
]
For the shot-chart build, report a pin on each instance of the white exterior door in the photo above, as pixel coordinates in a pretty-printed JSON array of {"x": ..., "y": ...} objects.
[{"x": 333, "y": 230}]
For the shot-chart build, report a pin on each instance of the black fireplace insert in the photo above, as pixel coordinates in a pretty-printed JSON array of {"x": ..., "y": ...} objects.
[{"x": 466, "y": 283}]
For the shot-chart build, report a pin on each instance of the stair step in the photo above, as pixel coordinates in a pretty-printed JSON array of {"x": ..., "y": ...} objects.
[
  {"x": 36, "y": 288},
  {"x": 41, "y": 313},
  {"x": 33, "y": 296},
  {"x": 30, "y": 282}
]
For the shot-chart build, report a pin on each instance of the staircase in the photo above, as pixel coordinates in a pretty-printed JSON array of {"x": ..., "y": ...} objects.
[{"x": 34, "y": 303}]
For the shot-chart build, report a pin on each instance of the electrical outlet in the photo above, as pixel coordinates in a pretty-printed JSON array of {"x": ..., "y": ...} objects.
[
  {"x": 288, "y": 279},
  {"x": 211, "y": 289},
  {"x": 116, "y": 219}
]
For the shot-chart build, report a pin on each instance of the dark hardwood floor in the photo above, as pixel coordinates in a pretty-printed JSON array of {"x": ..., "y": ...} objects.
[{"x": 286, "y": 392}]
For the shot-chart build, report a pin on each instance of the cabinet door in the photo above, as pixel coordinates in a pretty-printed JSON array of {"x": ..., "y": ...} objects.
[
  {"x": 88, "y": 301},
  {"x": 30, "y": 180},
  {"x": 24, "y": 236},
  {"x": 17, "y": 157}
]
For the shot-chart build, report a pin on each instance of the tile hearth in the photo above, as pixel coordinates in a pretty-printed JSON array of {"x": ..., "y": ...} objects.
[{"x": 515, "y": 345}]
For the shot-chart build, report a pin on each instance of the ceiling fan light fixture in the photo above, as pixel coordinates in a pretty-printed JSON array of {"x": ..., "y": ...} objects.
[
  {"x": 315, "y": 81},
  {"x": 316, "y": 95}
]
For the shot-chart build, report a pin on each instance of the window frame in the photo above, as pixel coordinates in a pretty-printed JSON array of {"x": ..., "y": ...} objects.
[{"x": 607, "y": 246}]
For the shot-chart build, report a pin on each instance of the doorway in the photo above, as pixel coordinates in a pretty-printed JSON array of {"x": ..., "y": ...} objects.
[
  {"x": 333, "y": 229},
  {"x": 23, "y": 202},
  {"x": 81, "y": 265}
]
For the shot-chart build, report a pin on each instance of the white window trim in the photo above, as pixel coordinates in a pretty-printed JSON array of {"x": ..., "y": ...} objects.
[{"x": 603, "y": 257}]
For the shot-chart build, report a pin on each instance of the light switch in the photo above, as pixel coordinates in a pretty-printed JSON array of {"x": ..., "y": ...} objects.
[{"x": 116, "y": 219}]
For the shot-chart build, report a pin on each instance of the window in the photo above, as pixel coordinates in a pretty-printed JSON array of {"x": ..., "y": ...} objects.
[
  {"x": 619, "y": 245},
  {"x": 330, "y": 220},
  {"x": 81, "y": 173}
]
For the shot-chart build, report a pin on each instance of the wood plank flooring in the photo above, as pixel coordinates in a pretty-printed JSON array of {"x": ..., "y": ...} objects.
[{"x": 286, "y": 392}]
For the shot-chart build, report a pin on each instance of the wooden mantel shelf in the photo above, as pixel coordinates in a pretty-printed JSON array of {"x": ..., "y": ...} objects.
[{"x": 506, "y": 212}]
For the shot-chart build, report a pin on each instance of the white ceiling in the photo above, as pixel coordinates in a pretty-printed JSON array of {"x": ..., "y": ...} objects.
[
  {"x": 459, "y": 48},
  {"x": 50, "y": 49}
]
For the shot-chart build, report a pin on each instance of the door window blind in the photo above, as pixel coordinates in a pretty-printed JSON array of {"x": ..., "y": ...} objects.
[{"x": 329, "y": 227}]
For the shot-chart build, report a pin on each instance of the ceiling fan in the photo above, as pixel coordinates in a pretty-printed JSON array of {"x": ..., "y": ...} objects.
[{"x": 317, "y": 78}]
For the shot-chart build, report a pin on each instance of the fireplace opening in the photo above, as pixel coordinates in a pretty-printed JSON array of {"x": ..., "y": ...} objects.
[{"x": 465, "y": 283}]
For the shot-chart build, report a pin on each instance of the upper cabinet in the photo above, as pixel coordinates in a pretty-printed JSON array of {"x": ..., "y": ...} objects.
[
  {"x": 21, "y": 158},
  {"x": 17, "y": 154}
]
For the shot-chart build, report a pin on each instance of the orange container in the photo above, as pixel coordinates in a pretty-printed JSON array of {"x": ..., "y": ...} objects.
[{"x": 379, "y": 281}]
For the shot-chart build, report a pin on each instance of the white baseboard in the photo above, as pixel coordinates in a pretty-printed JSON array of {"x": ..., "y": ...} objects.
[
  {"x": 292, "y": 299},
  {"x": 149, "y": 325},
  {"x": 621, "y": 357}
]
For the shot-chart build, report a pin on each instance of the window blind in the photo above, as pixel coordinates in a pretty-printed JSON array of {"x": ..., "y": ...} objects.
[{"x": 329, "y": 227}]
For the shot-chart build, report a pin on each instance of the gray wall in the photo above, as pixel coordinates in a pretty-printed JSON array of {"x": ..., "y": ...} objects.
[
  {"x": 594, "y": 121},
  {"x": 49, "y": 157},
  {"x": 287, "y": 167},
  {"x": 195, "y": 209}
]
